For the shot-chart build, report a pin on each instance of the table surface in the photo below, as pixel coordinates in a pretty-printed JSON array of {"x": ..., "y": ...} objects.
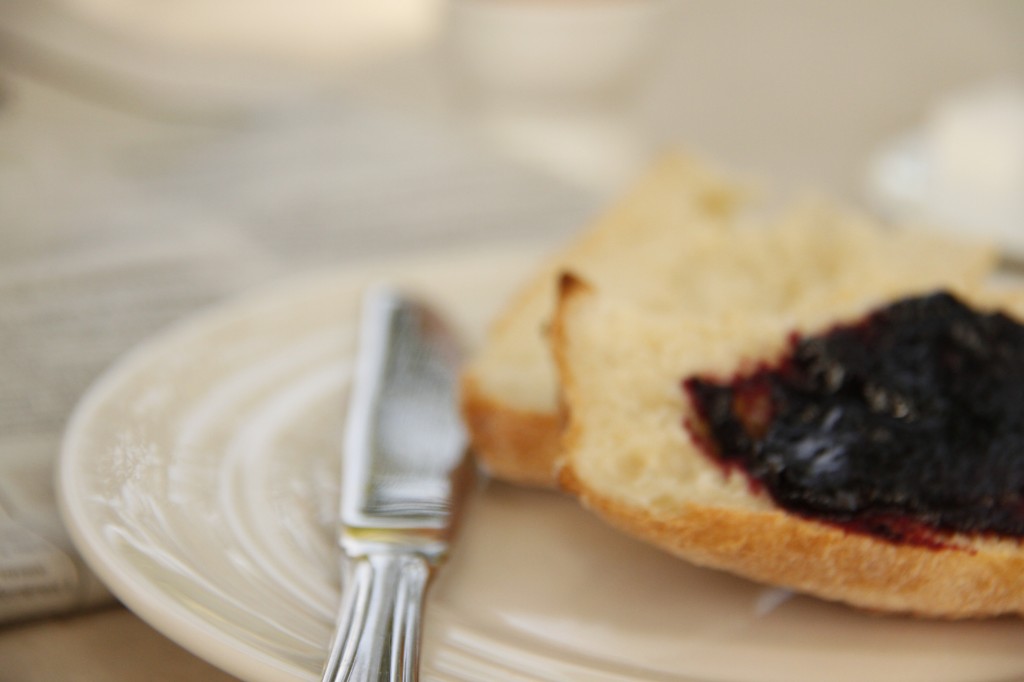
[{"x": 801, "y": 92}]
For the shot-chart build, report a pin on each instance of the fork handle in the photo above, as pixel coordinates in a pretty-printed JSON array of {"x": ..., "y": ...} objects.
[{"x": 378, "y": 634}]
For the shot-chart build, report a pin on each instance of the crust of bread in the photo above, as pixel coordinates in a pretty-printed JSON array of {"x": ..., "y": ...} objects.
[
  {"x": 969, "y": 578},
  {"x": 511, "y": 444},
  {"x": 777, "y": 548}
]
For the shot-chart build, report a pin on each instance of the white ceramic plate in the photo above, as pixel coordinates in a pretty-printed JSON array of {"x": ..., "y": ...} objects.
[{"x": 200, "y": 476}]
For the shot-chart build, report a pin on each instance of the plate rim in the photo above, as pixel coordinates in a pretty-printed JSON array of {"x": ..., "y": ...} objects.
[{"x": 156, "y": 607}]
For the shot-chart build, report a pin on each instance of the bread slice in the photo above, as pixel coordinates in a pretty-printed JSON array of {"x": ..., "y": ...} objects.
[
  {"x": 509, "y": 390},
  {"x": 629, "y": 458},
  {"x": 683, "y": 239}
]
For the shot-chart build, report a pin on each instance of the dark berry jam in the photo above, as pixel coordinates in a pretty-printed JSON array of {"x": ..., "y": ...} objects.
[{"x": 908, "y": 424}]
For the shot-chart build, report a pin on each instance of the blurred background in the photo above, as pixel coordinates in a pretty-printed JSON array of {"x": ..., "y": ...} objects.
[
  {"x": 157, "y": 157},
  {"x": 797, "y": 90}
]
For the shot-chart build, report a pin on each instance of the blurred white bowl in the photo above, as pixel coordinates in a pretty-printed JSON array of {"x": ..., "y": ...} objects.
[
  {"x": 553, "y": 48},
  {"x": 963, "y": 170},
  {"x": 555, "y": 82}
]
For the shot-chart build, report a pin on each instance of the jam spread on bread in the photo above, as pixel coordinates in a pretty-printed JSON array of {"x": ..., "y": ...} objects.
[{"x": 907, "y": 424}]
